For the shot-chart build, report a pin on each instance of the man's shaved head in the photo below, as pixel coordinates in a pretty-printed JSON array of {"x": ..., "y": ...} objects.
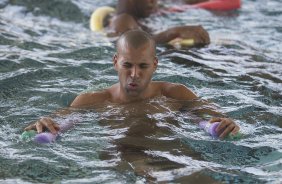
[{"x": 135, "y": 39}]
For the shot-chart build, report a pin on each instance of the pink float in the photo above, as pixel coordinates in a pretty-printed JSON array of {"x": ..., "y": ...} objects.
[{"x": 219, "y": 5}]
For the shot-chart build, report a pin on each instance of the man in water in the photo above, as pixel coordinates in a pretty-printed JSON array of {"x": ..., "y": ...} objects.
[
  {"x": 135, "y": 63},
  {"x": 129, "y": 13}
]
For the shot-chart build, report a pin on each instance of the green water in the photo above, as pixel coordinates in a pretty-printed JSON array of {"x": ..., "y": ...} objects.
[{"x": 48, "y": 56}]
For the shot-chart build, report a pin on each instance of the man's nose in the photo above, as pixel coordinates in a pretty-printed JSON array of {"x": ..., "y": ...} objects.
[{"x": 135, "y": 72}]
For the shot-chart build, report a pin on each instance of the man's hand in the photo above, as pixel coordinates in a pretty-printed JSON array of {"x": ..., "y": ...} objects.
[
  {"x": 225, "y": 127},
  {"x": 44, "y": 123},
  {"x": 197, "y": 33}
]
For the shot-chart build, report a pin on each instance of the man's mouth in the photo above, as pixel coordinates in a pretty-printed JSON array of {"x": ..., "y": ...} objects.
[{"x": 133, "y": 85}]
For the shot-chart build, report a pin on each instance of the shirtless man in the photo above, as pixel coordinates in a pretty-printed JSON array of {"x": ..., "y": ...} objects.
[
  {"x": 135, "y": 63},
  {"x": 129, "y": 13}
]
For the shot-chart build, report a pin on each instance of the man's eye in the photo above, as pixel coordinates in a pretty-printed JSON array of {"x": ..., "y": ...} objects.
[
  {"x": 126, "y": 65},
  {"x": 144, "y": 66}
]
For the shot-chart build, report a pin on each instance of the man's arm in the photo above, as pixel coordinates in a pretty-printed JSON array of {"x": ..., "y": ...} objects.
[
  {"x": 125, "y": 22},
  {"x": 181, "y": 92},
  {"x": 82, "y": 100},
  {"x": 197, "y": 33}
]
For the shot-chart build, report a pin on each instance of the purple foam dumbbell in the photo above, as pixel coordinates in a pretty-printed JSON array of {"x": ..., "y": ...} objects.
[
  {"x": 47, "y": 137},
  {"x": 210, "y": 127}
]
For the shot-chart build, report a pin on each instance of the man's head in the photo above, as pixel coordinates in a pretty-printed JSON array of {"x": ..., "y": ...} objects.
[
  {"x": 137, "y": 8},
  {"x": 135, "y": 61}
]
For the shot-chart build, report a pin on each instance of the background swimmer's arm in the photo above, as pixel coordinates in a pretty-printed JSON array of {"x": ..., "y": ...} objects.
[
  {"x": 197, "y": 33},
  {"x": 165, "y": 36},
  {"x": 177, "y": 91},
  {"x": 90, "y": 99}
]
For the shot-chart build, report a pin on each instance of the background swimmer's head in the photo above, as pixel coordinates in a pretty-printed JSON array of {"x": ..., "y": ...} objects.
[
  {"x": 145, "y": 7},
  {"x": 137, "y": 8},
  {"x": 135, "y": 39}
]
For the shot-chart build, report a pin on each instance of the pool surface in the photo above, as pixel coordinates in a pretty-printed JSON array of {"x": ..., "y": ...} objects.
[{"x": 48, "y": 56}]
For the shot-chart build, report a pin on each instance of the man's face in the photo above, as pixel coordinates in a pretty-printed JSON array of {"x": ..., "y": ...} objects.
[
  {"x": 135, "y": 67},
  {"x": 145, "y": 7}
]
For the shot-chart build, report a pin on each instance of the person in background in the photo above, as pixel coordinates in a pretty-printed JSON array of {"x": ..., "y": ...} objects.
[{"x": 128, "y": 16}]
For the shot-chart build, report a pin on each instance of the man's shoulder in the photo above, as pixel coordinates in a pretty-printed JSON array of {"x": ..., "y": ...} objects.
[
  {"x": 174, "y": 90},
  {"x": 160, "y": 85},
  {"x": 91, "y": 98}
]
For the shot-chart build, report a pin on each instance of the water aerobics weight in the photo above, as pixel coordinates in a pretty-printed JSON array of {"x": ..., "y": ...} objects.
[
  {"x": 48, "y": 137},
  {"x": 210, "y": 128}
]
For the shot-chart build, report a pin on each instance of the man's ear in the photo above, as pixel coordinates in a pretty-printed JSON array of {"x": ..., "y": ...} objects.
[
  {"x": 115, "y": 58},
  {"x": 156, "y": 61}
]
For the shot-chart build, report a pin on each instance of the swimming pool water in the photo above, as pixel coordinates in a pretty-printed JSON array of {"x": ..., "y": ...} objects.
[{"x": 48, "y": 56}]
